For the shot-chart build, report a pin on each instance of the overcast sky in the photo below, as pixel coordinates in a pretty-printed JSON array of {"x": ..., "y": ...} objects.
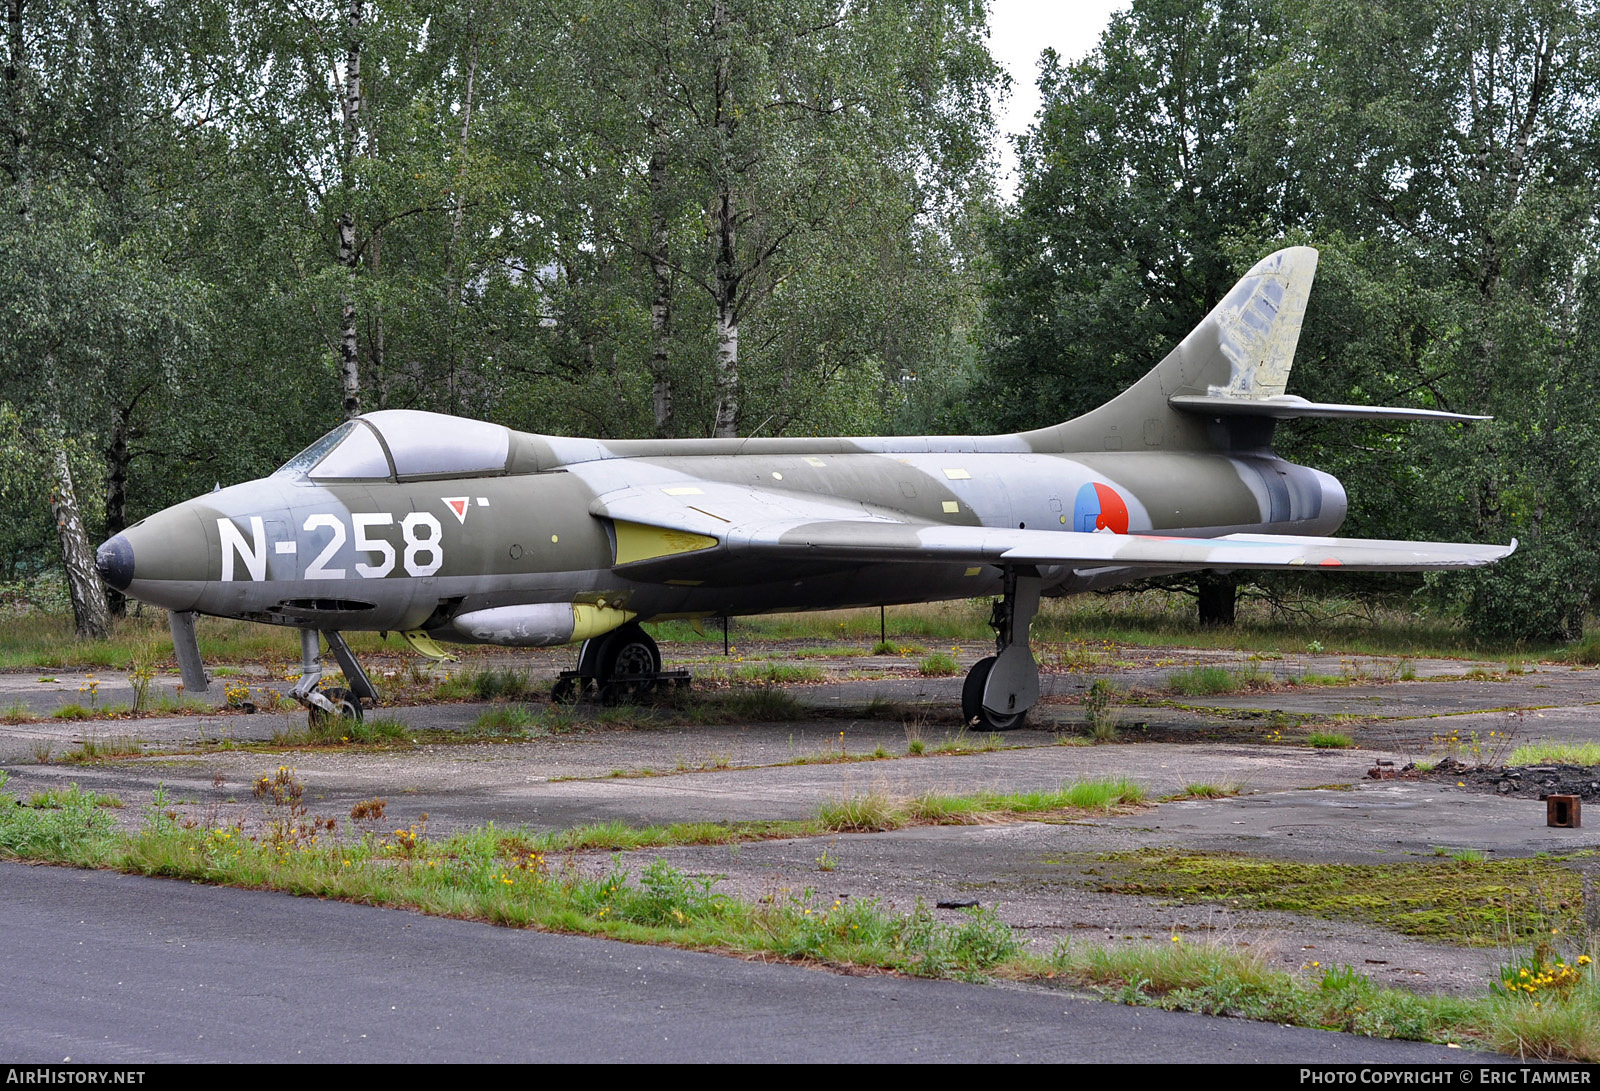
[{"x": 1020, "y": 31}]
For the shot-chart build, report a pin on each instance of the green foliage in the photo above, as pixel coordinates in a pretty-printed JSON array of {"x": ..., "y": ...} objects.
[
  {"x": 1548, "y": 753},
  {"x": 1329, "y": 740},
  {"x": 1201, "y": 680}
]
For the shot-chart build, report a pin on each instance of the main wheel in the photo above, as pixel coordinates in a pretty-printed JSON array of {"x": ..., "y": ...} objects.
[
  {"x": 345, "y": 707},
  {"x": 628, "y": 664},
  {"x": 972, "y": 711}
]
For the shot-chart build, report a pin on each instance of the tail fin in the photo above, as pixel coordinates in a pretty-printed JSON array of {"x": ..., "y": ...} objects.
[{"x": 1223, "y": 386}]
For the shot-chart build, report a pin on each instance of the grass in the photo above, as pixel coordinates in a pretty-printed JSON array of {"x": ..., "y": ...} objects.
[
  {"x": 47, "y": 640},
  {"x": 72, "y": 796},
  {"x": 1216, "y": 979},
  {"x": 337, "y": 731},
  {"x": 779, "y": 673},
  {"x": 1203, "y": 791},
  {"x": 938, "y": 665},
  {"x": 1481, "y": 904},
  {"x": 94, "y": 748},
  {"x": 1210, "y": 681},
  {"x": 1329, "y": 740},
  {"x": 1550, "y": 753},
  {"x": 510, "y": 720},
  {"x": 1100, "y": 716},
  {"x": 508, "y": 878}
]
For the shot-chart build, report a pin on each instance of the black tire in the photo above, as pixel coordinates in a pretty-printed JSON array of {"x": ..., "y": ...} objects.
[
  {"x": 628, "y": 664},
  {"x": 973, "y": 714},
  {"x": 345, "y": 707}
]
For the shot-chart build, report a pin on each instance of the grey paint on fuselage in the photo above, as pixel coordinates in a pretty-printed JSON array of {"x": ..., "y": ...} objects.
[{"x": 529, "y": 537}]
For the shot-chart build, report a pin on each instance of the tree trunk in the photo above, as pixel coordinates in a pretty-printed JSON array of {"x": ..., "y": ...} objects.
[
  {"x": 349, "y": 257},
  {"x": 117, "y": 459},
  {"x": 661, "y": 291},
  {"x": 1218, "y": 596},
  {"x": 90, "y": 617},
  {"x": 727, "y": 420},
  {"x": 725, "y": 275}
]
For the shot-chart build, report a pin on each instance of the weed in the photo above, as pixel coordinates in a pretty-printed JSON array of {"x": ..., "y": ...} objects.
[
  {"x": 1207, "y": 681},
  {"x": 42, "y": 749},
  {"x": 872, "y": 813},
  {"x": 93, "y": 748},
  {"x": 1329, "y": 740},
  {"x": 72, "y": 796},
  {"x": 1586, "y": 651},
  {"x": 1203, "y": 791},
  {"x": 770, "y": 674},
  {"x": 1549, "y": 753},
  {"x": 757, "y": 704},
  {"x": 90, "y": 686},
  {"x": 827, "y": 861},
  {"x": 938, "y": 665},
  {"x": 340, "y": 731},
  {"x": 1477, "y": 748},
  {"x": 884, "y": 647},
  {"x": 369, "y": 810},
  {"x": 17, "y": 712},
  {"x": 141, "y": 673},
  {"x": 1099, "y": 715},
  {"x": 916, "y": 747},
  {"x": 1542, "y": 973},
  {"x": 510, "y": 720}
]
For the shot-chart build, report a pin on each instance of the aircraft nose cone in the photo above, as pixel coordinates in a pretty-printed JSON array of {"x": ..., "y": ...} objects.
[{"x": 114, "y": 560}]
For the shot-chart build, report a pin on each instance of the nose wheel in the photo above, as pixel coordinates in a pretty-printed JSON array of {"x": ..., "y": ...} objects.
[{"x": 345, "y": 707}]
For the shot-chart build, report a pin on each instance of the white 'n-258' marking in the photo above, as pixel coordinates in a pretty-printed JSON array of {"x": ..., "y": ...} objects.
[{"x": 420, "y": 531}]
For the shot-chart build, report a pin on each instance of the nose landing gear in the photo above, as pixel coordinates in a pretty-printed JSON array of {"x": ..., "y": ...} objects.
[{"x": 335, "y": 701}]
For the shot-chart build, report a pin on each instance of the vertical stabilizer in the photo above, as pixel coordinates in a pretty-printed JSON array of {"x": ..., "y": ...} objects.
[{"x": 1239, "y": 353}]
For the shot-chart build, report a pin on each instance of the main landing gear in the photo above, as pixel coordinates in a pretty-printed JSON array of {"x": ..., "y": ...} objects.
[
  {"x": 336, "y": 701},
  {"x": 1000, "y": 689},
  {"x": 618, "y": 667}
]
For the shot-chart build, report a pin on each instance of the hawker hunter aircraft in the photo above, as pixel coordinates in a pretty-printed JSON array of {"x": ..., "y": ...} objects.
[{"x": 449, "y": 529}]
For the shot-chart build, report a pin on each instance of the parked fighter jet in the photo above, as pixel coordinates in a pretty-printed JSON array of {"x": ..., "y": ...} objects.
[{"x": 460, "y": 530}]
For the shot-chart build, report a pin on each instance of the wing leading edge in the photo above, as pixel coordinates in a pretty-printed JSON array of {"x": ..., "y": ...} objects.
[{"x": 668, "y": 530}]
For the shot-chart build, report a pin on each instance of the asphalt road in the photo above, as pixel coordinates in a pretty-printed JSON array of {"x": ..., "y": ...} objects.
[{"x": 107, "y": 968}]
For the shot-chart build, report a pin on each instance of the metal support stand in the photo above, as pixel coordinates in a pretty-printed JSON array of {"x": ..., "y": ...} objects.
[{"x": 187, "y": 649}]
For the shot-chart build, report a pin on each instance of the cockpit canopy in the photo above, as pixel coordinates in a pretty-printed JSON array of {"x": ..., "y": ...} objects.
[{"x": 404, "y": 444}]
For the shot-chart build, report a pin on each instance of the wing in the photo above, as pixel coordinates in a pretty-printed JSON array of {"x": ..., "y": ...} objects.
[{"x": 663, "y": 531}]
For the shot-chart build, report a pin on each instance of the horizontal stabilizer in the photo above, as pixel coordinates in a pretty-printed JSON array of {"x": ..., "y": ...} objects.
[{"x": 1287, "y": 406}]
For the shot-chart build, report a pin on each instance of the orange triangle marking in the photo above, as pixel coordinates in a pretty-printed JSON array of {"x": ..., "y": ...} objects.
[{"x": 458, "y": 505}]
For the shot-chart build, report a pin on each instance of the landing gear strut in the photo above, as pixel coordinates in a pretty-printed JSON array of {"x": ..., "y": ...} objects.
[
  {"x": 617, "y": 667},
  {"x": 335, "y": 701},
  {"x": 1000, "y": 689}
]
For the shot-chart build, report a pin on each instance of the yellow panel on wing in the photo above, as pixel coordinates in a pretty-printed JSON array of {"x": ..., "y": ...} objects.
[{"x": 638, "y": 542}]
